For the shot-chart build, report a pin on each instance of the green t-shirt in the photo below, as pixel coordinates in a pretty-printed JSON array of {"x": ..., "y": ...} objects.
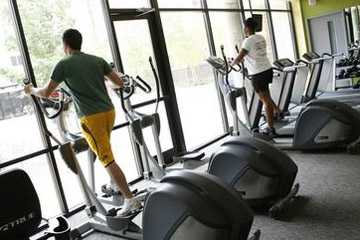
[{"x": 84, "y": 76}]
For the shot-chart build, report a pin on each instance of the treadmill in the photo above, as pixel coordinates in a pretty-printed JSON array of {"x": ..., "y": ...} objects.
[{"x": 322, "y": 68}]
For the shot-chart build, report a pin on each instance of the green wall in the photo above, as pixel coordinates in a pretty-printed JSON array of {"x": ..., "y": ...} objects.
[{"x": 322, "y": 7}]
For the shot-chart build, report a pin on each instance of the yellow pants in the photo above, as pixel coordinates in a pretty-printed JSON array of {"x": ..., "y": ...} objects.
[{"x": 97, "y": 129}]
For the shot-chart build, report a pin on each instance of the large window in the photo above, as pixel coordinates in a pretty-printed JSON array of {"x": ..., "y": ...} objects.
[
  {"x": 45, "y": 47},
  {"x": 193, "y": 77},
  {"x": 255, "y": 4},
  {"x": 283, "y": 35},
  {"x": 227, "y": 31},
  {"x": 20, "y": 134}
]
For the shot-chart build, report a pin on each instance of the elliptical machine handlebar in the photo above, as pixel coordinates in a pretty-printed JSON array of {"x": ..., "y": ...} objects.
[
  {"x": 242, "y": 63},
  {"x": 130, "y": 85},
  {"x": 144, "y": 86},
  {"x": 157, "y": 83},
  {"x": 57, "y": 102},
  {"x": 237, "y": 48},
  {"x": 228, "y": 67},
  {"x": 325, "y": 56}
]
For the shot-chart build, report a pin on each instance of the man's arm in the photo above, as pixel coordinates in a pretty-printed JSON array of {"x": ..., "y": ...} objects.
[
  {"x": 115, "y": 79},
  {"x": 43, "y": 92},
  {"x": 240, "y": 57}
]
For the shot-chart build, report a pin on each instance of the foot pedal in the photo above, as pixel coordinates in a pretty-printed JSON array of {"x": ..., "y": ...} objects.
[
  {"x": 191, "y": 156},
  {"x": 276, "y": 210},
  {"x": 256, "y": 235},
  {"x": 354, "y": 148},
  {"x": 262, "y": 136}
]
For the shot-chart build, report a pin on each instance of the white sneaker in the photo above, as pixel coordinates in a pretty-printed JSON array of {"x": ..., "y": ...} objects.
[{"x": 130, "y": 205}]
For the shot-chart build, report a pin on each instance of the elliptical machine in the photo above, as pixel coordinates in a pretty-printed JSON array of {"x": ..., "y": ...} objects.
[
  {"x": 186, "y": 205},
  {"x": 153, "y": 168},
  {"x": 263, "y": 174}
]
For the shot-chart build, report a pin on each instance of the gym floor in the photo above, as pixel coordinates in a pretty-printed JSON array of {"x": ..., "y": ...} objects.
[{"x": 327, "y": 207}]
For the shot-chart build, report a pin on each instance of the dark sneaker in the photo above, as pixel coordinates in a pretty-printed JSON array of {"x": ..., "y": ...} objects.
[{"x": 279, "y": 116}]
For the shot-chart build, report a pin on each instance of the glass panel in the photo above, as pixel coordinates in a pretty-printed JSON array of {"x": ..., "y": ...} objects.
[
  {"x": 283, "y": 35},
  {"x": 278, "y": 4},
  {"x": 255, "y": 4},
  {"x": 20, "y": 133},
  {"x": 179, "y": 3},
  {"x": 193, "y": 77},
  {"x": 123, "y": 154},
  {"x": 83, "y": 15},
  {"x": 38, "y": 171},
  {"x": 136, "y": 47},
  {"x": 232, "y": 4},
  {"x": 129, "y": 3},
  {"x": 265, "y": 32},
  {"x": 258, "y": 4},
  {"x": 227, "y": 31}
]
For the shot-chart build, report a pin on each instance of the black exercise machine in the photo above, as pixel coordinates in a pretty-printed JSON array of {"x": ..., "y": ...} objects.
[{"x": 20, "y": 210}]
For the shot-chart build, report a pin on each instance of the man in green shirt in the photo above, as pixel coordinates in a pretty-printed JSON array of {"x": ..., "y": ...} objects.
[{"x": 84, "y": 76}]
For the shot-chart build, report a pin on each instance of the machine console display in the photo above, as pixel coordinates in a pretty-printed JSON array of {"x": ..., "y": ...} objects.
[
  {"x": 283, "y": 63},
  {"x": 310, "y": 56}
]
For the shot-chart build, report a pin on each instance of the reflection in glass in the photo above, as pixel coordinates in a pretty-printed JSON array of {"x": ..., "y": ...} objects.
[{"x": 193, "y": 77}]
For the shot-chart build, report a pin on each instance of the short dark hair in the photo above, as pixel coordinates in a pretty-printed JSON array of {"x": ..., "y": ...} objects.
[
  {"x": 72, "y": 38},
  {"x": 251, "y": 24}
]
